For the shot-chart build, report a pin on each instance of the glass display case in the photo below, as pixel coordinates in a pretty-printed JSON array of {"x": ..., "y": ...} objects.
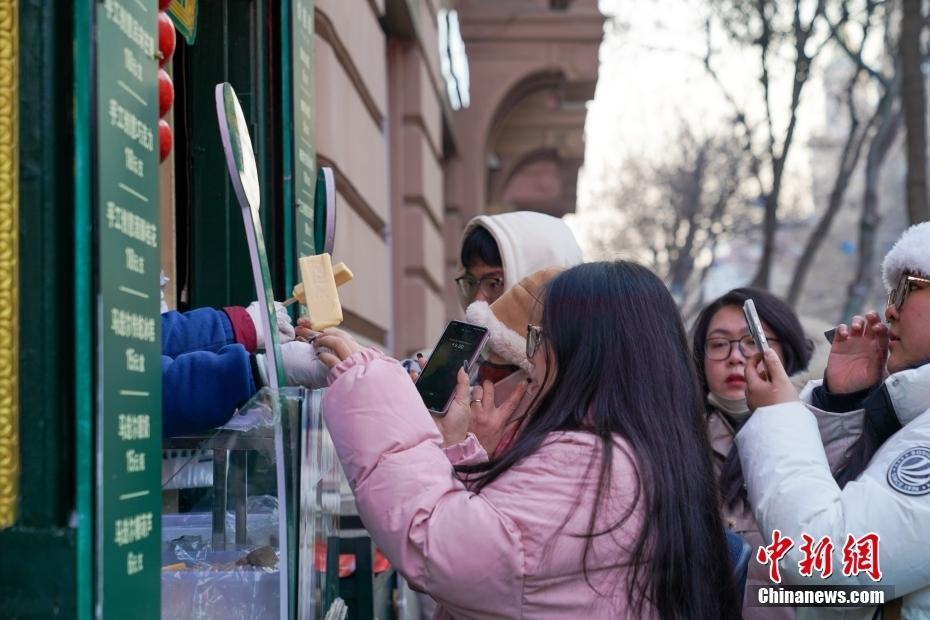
[{"x": 250, "y": 518}]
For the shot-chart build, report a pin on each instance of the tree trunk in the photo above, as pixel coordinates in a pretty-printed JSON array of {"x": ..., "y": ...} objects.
[
  {"x": 852, "y": 149},
  {"x": 684, "y": 260},
  {"x": 860, "y": 287},
  {"x": 770, "y": 221},
  {"x": 914, "y": 102}
]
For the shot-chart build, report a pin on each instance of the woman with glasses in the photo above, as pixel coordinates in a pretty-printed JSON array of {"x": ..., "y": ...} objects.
[
  {"x": 877, "y": 391},
  {"x": 722, "y": 346},
  {"x": 602, "y": 507}
]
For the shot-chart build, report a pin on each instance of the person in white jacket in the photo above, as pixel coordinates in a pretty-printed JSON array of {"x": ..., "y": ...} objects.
[{"x": 885, "y": 488}]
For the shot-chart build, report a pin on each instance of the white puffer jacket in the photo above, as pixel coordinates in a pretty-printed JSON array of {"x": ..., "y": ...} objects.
[{"x": 791, "y": 489}]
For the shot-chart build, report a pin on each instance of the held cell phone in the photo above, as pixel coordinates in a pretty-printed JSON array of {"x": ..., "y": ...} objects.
[
  {"x": 458, "y": 347},
  {"x": 505, "y": 387},
  {"x": 755, "y": 325}
]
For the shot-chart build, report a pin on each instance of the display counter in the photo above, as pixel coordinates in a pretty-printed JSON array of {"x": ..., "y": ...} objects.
[{"x": 250, "y": 521}]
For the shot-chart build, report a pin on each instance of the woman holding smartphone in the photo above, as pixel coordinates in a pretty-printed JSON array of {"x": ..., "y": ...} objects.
[
  {"x": 722, "y": 345},
  {"x": 603, "y": 506}
]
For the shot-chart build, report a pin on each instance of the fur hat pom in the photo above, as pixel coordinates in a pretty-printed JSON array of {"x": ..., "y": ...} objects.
[
  {"x": 507, "y": 318},
  {"x": 911, "y": 253}
]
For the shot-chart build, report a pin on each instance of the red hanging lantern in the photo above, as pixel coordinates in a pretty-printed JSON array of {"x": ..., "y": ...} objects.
[
  {"x": 167, "y": 38},
  {"x": 163, "y": 5},
  {"x": 165, "y": 92},
  {"x": 165, "y": 139}
]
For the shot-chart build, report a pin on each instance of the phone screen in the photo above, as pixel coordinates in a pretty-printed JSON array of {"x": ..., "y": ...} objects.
[{"x": 459, "y": 345}]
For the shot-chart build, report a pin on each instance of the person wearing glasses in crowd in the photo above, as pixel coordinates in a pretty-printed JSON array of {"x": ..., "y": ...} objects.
[
  {"x": 603, "y": 506},
  {"x": 722, "y": 345},
  {"x": 500, "y": 250},
  {"x": 877, "y": 388}
]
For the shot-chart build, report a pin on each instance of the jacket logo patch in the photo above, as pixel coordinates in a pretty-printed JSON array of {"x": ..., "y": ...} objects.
[{"x": 910, "y": 472}]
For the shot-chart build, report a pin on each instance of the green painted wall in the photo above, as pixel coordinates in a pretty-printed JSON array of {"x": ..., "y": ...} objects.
[
  {"x": 41, "y": 582},
  {"x": 53, "y": 575}
]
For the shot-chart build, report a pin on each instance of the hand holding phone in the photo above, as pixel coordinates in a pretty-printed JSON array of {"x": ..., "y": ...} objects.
[
  {"x": 458, "y": 347},
  {"x": 755, "y": 325}
]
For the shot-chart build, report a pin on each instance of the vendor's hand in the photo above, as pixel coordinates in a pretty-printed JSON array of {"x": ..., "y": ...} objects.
[
  {"x": 767, "y": 383},
  {"x": 283, "y": 319},
  {"x": 335, "y": 345},
  {"x": 302, "y": 366},
  {"x": 857, "y": 357}
]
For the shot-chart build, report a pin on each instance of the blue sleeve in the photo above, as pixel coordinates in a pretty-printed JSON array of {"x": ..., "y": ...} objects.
[
  {"x": 201, "y": 390},
  {"x": 204, "y": 329}
]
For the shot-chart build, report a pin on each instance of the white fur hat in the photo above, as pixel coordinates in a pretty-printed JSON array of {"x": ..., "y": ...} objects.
[
  {"x": 507, "y": 318},
  {"x": 910, "y": 253}
]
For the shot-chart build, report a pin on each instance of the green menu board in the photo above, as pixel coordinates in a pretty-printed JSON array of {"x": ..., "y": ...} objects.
[
  {"x": 128, "y": 422},
  {"x": 304, "y": 153}
]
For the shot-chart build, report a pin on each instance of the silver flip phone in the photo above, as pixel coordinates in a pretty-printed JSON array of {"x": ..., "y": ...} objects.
[{"x": 755, "y": 325}]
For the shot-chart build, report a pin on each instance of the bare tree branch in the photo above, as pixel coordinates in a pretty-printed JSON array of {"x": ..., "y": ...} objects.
[{"x": 849, "y": 158}]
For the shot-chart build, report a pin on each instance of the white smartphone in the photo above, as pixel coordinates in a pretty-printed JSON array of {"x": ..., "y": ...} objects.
[
  {"x": 755, "y": 325},
  {"x": 458, "y": 347}
]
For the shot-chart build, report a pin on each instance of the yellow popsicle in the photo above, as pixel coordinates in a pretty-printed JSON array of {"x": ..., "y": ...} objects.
[
  {"x": 322, "y": 300},
  {"x": 341, "y": 274}
]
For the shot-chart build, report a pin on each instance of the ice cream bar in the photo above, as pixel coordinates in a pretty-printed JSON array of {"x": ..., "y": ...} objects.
[
  {"x": 341, "y": 274},
  {"x": 322, "y": 300}
]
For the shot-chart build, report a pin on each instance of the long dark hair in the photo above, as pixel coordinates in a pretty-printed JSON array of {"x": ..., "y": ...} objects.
[
  {"x": 796, "y": 348},
  {"x": 623, "y": 369}
]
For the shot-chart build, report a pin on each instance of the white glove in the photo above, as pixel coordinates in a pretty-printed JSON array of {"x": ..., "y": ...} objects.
[
  {"x": 302, "y": 366},
  {"x": 285, "y": 328}
]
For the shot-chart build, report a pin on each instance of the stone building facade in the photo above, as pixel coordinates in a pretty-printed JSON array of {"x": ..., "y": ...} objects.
[{"x": 411, "y": 170}]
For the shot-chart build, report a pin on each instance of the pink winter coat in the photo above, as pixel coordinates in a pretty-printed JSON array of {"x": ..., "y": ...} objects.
[{"x": 512, "y": 551}]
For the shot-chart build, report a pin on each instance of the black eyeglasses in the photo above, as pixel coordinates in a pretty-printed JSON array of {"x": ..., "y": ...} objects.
[
  {"x": 491, "y": 286},
  {"x": 533, "y": 338},
  {"x": 719, "y": 349},
  {"x": 905, "y": 286}
]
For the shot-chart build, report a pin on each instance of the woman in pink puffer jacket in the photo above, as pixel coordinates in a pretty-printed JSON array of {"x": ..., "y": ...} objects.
[{"x": 603, "y": 506}]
